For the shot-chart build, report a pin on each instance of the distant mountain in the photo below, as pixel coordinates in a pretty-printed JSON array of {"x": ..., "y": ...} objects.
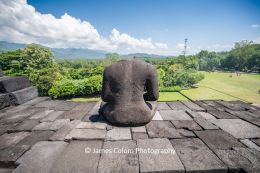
[
  {"x": 75, "y": 53},
  {"x": 6, "y": 46},
  {"x": 142, "y": 55}
]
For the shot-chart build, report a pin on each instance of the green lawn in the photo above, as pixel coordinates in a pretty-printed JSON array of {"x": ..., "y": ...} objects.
[
  {"x": 219, "y": 85},
  {"x": 215, "y": 86}
]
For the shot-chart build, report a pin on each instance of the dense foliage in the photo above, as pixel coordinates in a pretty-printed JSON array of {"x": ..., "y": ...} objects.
[{"x": 71, "y": 78}]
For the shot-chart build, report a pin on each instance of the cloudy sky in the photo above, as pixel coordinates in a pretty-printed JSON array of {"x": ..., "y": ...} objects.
[{"x": 149, "y": 26}]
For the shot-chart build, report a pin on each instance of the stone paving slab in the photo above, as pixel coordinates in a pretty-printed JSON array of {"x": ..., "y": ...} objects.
[
  {"x": 250, "y": 144},
  {"x": 162, "y": 129},
  {"x": 238, "y": 128},
  {"x": 139, "y": 136},
  {"x": 163, "y": 106},
  {"x": 40, "y": 158},
  {"x": 9, "y": 139},
  {"x": 177, "y": 106},
  {"x": 5, "y": 170},
  {"x": 218, "y": 139},
  {"x": 74, "y": 114},
  {"x": 222, "y": 114},
  {"x": 119, "y": 157},
  {"x": 174, "y": 115},
  {"x": 63, "y": 131},
  {"x": 75, "y": 158},
  {"x": 8, "y": 156},
  {"x": 35, "y": 137},
  {"x": 52, "y": 116},
  {"x": 161, "y": 162},
  {"x": 196, "y": 156},
  {"x": 252, "y": 155},
  {"x": 92, "y": 127},
  {"x": 234, "y": 161},
  {"x": 192, "y": 106},
  {"x": 119, "y": 134},
  {"x": 186, "y": 124},
  {"x": 86, "y": 134},
  {"x": 233, "y": 105},
  {"x": 205, "y": 124}
]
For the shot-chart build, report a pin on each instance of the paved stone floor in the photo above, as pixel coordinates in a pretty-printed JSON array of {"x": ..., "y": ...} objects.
[{"x": 46, "y": 135}]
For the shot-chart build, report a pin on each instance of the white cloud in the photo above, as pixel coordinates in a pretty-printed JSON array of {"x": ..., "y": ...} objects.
[
  {"x": 220, "y": 47},
  {"x": 20, "y": 22},
  {"x": 257, "y": 40},
  {"x": 255, "y": 26}
]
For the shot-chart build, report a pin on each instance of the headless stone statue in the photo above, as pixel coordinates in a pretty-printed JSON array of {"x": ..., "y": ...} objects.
[{"x": 129, "y": 92}]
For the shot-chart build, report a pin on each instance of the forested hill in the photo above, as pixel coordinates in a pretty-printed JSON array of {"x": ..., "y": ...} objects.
[{"x": 74, "y": 53}]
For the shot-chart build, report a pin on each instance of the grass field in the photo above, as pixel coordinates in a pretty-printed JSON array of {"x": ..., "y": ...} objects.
[
  {"x": 219, "y": 85},
  {"x": 215, "y": 86}
]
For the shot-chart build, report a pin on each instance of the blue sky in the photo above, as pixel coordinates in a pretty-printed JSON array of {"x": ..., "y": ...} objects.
[{"x": 151, "y": 26}]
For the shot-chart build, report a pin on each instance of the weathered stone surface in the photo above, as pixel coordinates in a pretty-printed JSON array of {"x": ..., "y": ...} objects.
[
  {"x": 177, "y": 106},
  {"x": 250, "y": 144},
  {"x": 120, "y": 160},
  {"x": 238, "y": 128},
  {"x": 245, "y": 115},
  {"x": 40, "y": 158},
  {"x": 193, "y": 114},
  {"x": 192, "y": 106},
  {"x": 186, "y": 133},
  {"x": 48, "y": 103},
  {"x": 233, "y": 160},
  {"x": 63, "y": 131},
  {"x": 85, "y": 134},
  {"x": 93, "y": 114},
  {"x": 206, "y": 115},
  {"x": 74, "y": 114},
  {"x": 9, "y": 155},
  {"x": 140, "y": 129},
  {"x": 123, "y": 91},
  {"x": 64, "y": 106},
  {"x": 26, "y": 125},
  {"x": 205, "y": 124},
  {"x": 204, "y": 105},
  {"x": 253, "y": 156},
  {"x": 157, "y": 116},
  {"x": 162, "y": 129},
  {"x": 4, "y": 101},
  {"x": 52, "y": 116},
  {"x": 35, "y": 137},
  {"x": 9, "y": 139},
  {"x": 139, "y": 136},
  {"x": 119, "y": 134},
  {"x": 36, "y": 101},
  {"x": 174, "y": 115},
  {"x": 18, "y": 108},
  {"x": 6, "y": 170},
  {"x": 55, "y": 125},
  {"x": 196, "y": 157},
  {"x": 91, "y": 125},
  {"x": 84, "y": 106},
  {"x": 186, "y": 124},
  {"x": 19, "y": 116},
  {"x": 218, "y": 139},
  {"x": 160, "y": 162},
  {"x": 222, "y": 114},
  {"x": 234, "y": 105},
  {"x": 256, "y": 141},
  {"x": 215, "y": 105},
  {"x": 13, "y": 83},
  {"x": 76, "y": 159},
  {"x": 163, "y": 106},
  {"x": 41, "y": 114},
  {"x": 24, "y": 95}
]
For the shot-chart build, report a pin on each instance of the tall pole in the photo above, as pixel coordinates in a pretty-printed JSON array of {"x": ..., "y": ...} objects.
[{"x": 185, "y": 46}]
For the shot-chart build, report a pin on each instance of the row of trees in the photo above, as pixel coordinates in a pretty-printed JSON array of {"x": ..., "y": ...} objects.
[{"x": 69, "y": 78}]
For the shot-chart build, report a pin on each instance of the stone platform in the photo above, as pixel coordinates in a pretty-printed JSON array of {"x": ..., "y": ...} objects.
[{"x": 55, "y": 136}]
